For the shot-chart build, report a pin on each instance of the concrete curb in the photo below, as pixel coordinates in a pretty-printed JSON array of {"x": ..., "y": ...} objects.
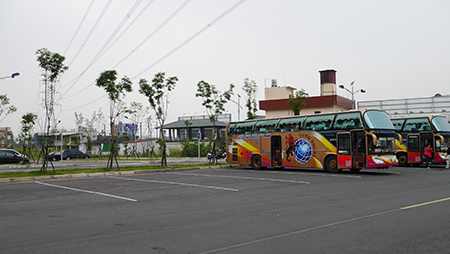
[{"x": 106, "y": 174}]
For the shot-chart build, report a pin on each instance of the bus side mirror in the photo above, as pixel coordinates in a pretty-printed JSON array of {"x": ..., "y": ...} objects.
[
  {"x": 374, "y": 139},
  {"x": 399, "y": 137}
]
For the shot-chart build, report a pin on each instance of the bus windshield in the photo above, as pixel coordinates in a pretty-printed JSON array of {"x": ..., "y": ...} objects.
[
  {"x": 441, "y": 124},
  {"x": 385, "y": 145},
  {"x": 378, "y": 120}
]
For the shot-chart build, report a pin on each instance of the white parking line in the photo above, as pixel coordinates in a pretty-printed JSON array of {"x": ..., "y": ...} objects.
[
  {"x": 91, "y": 192},
  {"x": 175, "y": 183},
  {"x": 247, "y": 178},
  {"x": 308, "y": 174}
]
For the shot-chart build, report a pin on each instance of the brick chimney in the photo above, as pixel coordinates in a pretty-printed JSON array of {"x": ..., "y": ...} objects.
[{"x": 327, "y": 82}]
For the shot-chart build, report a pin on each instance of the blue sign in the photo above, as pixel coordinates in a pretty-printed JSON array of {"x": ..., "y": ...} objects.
[{"x": 199, "y": 136}]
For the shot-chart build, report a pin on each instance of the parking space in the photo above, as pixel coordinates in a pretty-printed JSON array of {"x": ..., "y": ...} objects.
[{"x": 223, "y": 209}]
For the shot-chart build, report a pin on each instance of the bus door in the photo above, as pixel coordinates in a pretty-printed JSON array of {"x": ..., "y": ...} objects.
[
  {"x": 275, "y": 151},
  {"x": 414, "y": 148},
  {"x": 344, "y": 151},
  {"x": 425, "y": 139},
  {"x": 359, "y": 149}
]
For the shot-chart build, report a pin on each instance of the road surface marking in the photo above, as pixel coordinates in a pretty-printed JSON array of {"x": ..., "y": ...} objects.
[
  {"x": 175, "y": 183},
  {"x": 247, "y": 178},
  {"x": 91, "y": 192},
  {"x": 269, "y": 238},
  {"x": 426, "y": 203}
]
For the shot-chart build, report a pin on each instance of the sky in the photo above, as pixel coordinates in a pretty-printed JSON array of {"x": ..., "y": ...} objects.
[{"x": 390, "y": 48}]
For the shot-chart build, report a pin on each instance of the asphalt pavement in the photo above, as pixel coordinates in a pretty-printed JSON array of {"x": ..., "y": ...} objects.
[{"x": 230, "y": 210}]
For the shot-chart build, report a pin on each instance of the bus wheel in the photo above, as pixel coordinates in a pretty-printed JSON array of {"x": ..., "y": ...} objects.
[
  {"x": 331, "y": 164},
  {"x": 256, "y": 162},
  {"x": 402, "y": 160}
]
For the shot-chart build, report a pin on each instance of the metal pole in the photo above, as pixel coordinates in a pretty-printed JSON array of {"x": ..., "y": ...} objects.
[
  {"x": 61, "y": 157},
  {"x": 353, "y": 99},
  {"x": 239, "y": 114}
]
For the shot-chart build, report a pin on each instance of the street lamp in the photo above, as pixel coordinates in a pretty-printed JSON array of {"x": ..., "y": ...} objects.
[
  {"x": 352, "y": 92},
  {"x": 239, "y": 106},
  {"x": 12, "y": 75}
]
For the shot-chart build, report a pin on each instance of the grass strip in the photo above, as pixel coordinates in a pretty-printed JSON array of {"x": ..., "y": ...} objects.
[{"x": 35, "y": 173}]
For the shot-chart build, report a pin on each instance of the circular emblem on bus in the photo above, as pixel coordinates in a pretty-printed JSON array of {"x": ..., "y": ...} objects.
[{"x": 302, "y": 151}]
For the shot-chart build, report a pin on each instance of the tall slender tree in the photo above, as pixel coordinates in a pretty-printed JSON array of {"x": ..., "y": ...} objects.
[
  {"x": 52, "y": 67},
  {"x": 28, "y": 122},
  {"x": 214, "y": 101},
  {"x": 115, "y": 91},
  {"x": 158, "y": 97},
  {"x": 250, "y": 88}
]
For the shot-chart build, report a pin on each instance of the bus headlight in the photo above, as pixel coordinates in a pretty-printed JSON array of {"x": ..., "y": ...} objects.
[{"x": 377, "y": 160}]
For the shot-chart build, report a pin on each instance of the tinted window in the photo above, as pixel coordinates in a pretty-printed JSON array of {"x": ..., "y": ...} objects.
[
  {"x": 441, "y": 124},
  {"x": 398, "y": 123},
  {"x": 266, "y": 126},
  {"x": 291, "y": 124},
  {"x": 319, "y": 122},
  {"x": 348, "y": 121},
  {"x": 230, "y": 129},
  {"x": 378, "y": 120},
  {"x": 244, "y": 128},
  {"x": 417, "y": 124}
]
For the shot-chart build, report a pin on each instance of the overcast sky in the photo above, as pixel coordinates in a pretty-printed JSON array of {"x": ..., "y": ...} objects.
[{"x": 391, "y": 49}]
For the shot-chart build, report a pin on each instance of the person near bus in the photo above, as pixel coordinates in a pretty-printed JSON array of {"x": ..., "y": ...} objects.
[
  {"x": 428, "y": 155},
  {"x": 448, "y": 157}
]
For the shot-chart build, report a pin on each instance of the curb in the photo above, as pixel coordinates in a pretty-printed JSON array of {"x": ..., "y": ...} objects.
[{"x": 106, "y": 174}]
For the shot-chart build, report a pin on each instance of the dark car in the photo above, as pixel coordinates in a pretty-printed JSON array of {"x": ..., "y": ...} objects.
[
  {"x": 12, "y": 156},
  {"x": 55, "y": 156},
  {"x": 75, "y": 154}
]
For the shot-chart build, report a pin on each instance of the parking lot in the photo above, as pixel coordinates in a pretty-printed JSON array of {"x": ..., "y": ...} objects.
[{"x": 232, "y": 210}]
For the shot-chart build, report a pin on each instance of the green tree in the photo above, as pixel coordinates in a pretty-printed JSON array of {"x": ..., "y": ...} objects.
[
  {"x": 52, "y": 67},
  {"x": 28, "y": 122},
  {"x": 250, "y": 88},
  {"x": 158, "y": 97},
  {"x": 186, "y": 142},
  {"x": 214, "y": 101},
  {"x": 5, "y": 110},
  {"x": 115, "y": 91},
  {"x": 297, "y": 101}
]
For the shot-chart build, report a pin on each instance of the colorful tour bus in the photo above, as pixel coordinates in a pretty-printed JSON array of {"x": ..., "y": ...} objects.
[
  {"x": 417, "y": 132},
  {"x": 331, "y": 141}
]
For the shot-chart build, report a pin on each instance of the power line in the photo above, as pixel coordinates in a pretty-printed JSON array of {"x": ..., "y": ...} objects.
[
  {"x": 111, "y": 37},
  {"x": 221, "y": 16},
  {"x": 154, "y": 32},
  {"x": 217, "y": 19},
  {"x": 91, "y": 31},
  {"x": 146, "y": 39},
  {"x": 79, "y": 26}
]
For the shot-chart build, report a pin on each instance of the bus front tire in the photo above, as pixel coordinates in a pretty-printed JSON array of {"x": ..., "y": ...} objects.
[
  {"x": 331, "y": 164},
  {"x": 402, "y": 160},
  {"x": 256, "y": 162}
]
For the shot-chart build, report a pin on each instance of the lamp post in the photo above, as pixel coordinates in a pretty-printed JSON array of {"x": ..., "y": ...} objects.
[
  {"x": 352, "y": 92},
  {"x": 239, "y": 106},
  {"x": 11, "y": 76}
]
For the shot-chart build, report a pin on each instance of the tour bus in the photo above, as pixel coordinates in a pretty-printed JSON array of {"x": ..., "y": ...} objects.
[
  {"x": 330, "y": 141},
  {"x": 417, "y": 132}
]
